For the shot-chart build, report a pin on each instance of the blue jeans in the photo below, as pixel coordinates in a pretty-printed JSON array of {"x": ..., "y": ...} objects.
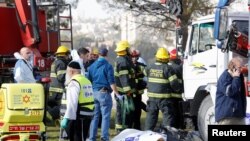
[{"x": 103, "y": 105}]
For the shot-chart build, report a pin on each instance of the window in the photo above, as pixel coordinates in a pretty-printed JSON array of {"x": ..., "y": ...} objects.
[
  {"x": 242, "y": 26},
  {"x": 239, "y": 45},
  {"x": 207, "y": 40},
  {"x": 202, "y": 38},
  {"x": 194, "y": 40}
]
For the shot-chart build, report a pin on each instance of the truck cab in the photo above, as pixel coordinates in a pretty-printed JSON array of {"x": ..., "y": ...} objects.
[{"x": 203, "y": 63}]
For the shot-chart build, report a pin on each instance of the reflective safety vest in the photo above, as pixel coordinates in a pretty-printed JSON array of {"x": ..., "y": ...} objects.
[
  {"x": 57, "y": 75},
  {"x": 124, "y": 75},
  {"x": 177, "y": 68},
  {"x": 162, "y": 81},
  {"x": 85, "y": 98}
]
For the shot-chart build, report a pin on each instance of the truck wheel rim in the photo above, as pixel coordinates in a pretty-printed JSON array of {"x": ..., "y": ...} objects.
[{"x": 209, "y": 118}]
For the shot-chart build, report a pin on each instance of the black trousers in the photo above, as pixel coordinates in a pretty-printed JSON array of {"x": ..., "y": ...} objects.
[
  {"x": 166, "y": 106},
  {"x": 78, "y": 130},
  {"x": 53, "y": 104},
  {"x": 136, "y": 121},
  {"x": 177, "y": 113}
]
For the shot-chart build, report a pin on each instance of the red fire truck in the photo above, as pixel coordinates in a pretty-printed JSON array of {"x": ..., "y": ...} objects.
[
  {"x": 22, "y": 106},
  {"x": 24, "y": 23}
]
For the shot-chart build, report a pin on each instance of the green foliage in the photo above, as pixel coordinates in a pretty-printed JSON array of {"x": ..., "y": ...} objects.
[{"x": 82, "y": 41}]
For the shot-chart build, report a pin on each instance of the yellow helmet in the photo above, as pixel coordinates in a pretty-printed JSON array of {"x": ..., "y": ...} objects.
[
  {"x": 122, "y": 45},
  {"x": 62, "y": 50},
  {"x": 121, "y": 53},
  {"x": 95, "y": 51},
  {"x": 162, "y": 53}
]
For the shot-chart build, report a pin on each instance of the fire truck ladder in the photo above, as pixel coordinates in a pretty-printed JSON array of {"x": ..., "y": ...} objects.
[{"x": 65, "y": 28}]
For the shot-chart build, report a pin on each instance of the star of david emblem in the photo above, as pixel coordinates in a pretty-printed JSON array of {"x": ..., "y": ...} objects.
[{"x": 26, "y": 99}]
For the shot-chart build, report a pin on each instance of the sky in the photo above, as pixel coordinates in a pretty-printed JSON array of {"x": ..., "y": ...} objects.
[
  {"x": 241, "y": 5},
  {"x": 88, "y": 9},
  {"x": 85, "y": 9}
]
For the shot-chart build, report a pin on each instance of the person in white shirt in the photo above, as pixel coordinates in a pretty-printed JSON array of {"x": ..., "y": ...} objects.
[
  {"x": 78, "y": 104},
  {"x": 23, "y": 71},
  {"x": 84, "y": 56},
  {"x": 76, "y": 57}
]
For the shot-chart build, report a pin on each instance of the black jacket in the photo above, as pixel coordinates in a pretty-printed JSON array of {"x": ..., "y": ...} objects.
[
  {"x": 162, "y": 81},
  {"x": 57, "y": 75},
  {"x": 124, "y": 75}
]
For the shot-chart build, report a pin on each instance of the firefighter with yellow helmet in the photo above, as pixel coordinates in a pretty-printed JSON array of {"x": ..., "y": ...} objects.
[
  {"x": 57, "y": 75},
  {"x": 125, "y": 82},
  {"x": 162, "y": 83}
]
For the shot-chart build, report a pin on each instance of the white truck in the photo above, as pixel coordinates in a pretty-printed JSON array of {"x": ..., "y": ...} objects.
[{"x": 204, "y": 62}]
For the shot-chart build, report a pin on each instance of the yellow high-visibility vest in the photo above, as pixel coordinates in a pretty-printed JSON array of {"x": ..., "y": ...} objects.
[{"x": 85, "y": 98}]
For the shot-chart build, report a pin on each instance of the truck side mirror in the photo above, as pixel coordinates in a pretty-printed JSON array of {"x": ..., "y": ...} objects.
[
  {"x": 179, "y": 37},
  {"x": 220, "y": 24}
]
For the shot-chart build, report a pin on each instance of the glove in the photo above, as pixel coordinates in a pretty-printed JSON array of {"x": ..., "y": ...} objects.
[
  {"x": 64, "y": 123},
  {"x": 120, "y": 97}
]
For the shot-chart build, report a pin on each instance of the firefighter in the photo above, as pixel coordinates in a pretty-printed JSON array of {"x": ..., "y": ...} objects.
[
  {"x": 57, "y": 75},
  {"x": 125, "y": 82},
  {"x": 162, "y": 82},
  {"x": 176, "y": 65},
  {"x": 78, "y": 104},
  {"x": 140, "y": 86}
]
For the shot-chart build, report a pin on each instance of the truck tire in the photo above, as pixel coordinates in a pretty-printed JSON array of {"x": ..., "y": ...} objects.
[{"x": 205, "y": 116}]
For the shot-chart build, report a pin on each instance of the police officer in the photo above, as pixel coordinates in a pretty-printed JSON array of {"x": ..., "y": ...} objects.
[
  {"x": 162, "y": 82},
  {"x": 79, "y": 104},
  {"x": 57, "y": 75},
  {"x": 125, "y": 82}
]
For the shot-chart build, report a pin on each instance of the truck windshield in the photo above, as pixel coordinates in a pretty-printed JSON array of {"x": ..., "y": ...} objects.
[{"x": 202, "y": 38}]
